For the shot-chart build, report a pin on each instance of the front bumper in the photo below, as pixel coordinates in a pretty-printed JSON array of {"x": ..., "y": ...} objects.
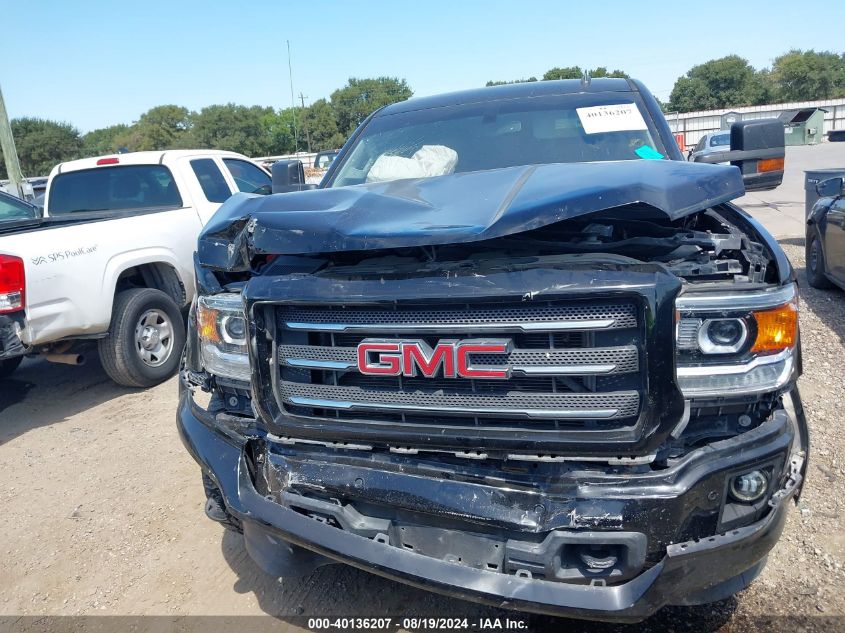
[{"x": 702, "y": 569}]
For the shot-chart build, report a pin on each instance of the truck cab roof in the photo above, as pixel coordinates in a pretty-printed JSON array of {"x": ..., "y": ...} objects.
[
  {"x": 137, "y": 158},
  {"x": 513, "y": 91}
]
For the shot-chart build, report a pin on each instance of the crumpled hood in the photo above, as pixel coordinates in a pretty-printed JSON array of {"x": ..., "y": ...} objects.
[{"x": 451, "y": 209}]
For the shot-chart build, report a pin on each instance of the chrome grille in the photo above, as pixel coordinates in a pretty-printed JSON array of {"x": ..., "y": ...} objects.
[
  {"x": 571, "y": 363},
  {"x": 511, "y": 405},
  {"x": 525, "y": 318},
  {"x": 600, "y": 360}
]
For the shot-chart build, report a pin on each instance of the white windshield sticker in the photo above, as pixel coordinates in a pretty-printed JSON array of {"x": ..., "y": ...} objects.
[{"x": 611, "y": 118}]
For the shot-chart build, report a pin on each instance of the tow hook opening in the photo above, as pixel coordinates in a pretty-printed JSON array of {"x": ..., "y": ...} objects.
[
  {"x": 580, "y": 557},
  {"x": 597, "y": 559}
]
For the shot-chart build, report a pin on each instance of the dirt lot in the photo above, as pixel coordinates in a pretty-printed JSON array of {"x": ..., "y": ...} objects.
[{"x": 102, "y": 509}]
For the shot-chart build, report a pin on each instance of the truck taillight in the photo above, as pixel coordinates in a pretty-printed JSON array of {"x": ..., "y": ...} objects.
[{"x": 12, "y": 284}]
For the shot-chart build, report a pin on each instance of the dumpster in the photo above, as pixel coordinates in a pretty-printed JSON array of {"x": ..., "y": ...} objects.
[
  {"x": 811, "y": 179},
  {"x": 803, "y": 126}
]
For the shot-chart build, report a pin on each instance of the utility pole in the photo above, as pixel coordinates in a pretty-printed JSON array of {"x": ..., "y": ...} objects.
[
  {"x": 305, "y": 122},
  {"x": 10, "y": 154},
  {"x": 292, "y": 102}
]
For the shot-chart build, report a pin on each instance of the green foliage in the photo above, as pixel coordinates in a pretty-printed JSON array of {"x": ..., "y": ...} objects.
[
  {"x": 727, "y": 82},
  {"x": 322, "y": 126},
  {"x": 248, "y": 130},
  {"x": 359, "y": 97},
  {"x": 505, "y": 83},
  {"x": 808, "y": 75},
  {"x": 601, "y": 71},
  {"x": 41, "y": 144},
  {"x": 162, "y": 127},
  {"x": 107, "y": 140},
  {"x": 280, "y": 128},
  {"x": 569, "y": 72}
]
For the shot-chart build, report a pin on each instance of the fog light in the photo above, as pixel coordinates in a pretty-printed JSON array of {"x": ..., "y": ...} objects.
[{"x": 749, "y": 487}]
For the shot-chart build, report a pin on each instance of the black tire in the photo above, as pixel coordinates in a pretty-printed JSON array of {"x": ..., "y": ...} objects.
[
  {"x": 814, "y": 259},
  {"x": 8, "y": 366},
  {"x": 122, "y": 352}
]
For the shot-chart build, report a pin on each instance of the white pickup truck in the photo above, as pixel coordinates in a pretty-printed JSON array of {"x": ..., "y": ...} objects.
[{"x": 112, "y": 259}]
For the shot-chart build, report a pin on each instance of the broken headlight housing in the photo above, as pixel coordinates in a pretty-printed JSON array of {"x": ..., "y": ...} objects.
[
  {"x": 737, "y": 343},
  {"x": 222, "y": 331}
]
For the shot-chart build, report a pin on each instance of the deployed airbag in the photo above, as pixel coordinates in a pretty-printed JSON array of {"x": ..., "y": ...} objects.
[{"x": 427, "y": 161}]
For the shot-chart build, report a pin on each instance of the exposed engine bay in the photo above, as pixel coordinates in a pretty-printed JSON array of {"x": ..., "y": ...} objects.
[{"x": 702, "y": 247}]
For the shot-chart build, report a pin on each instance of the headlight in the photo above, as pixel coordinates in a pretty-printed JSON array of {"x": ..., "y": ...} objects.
[
  {"x": 722, "y": 336},
  {"x": 739, "y": 343},
  {"x": 222, "y": 330}
]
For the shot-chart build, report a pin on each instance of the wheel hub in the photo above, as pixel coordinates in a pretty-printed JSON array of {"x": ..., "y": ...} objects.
[
  {"x": 154, "y": 338},
  {"x": 150, "y": 337}
]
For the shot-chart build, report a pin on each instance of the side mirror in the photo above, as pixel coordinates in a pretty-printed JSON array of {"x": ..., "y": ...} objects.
[
  {"x": 288, "y": 175},
  {"x": 757, "y": 148},
  {"x": 830, "y": 188}
]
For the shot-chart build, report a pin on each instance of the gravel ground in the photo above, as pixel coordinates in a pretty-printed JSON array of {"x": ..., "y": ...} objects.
[{"x": 102, "y": 515}]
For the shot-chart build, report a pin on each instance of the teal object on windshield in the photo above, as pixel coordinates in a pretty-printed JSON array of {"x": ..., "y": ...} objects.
[{"x": 649, "y": 153}]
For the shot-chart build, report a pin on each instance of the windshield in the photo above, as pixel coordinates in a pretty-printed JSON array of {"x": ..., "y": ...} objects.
[
  {"x": 14, "y": 209},
  {"x": 570, "y": 128},
  {"x": 720, "y": 140}
]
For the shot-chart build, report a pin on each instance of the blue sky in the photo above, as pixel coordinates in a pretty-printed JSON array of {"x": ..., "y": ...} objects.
[{"x": 95, "y": 63}]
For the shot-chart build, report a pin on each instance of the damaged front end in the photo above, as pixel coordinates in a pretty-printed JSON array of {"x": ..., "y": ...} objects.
[{"x": 592, "y": 412}]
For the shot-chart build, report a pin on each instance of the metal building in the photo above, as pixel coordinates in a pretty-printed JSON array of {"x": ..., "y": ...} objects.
[{"x": 694, "y": 125}]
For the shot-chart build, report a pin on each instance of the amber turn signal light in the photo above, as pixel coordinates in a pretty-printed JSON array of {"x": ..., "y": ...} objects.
[
  {"x": 777, "y": 329},
  {"x": 207, "y": 324},
  {"x": 770, "y": 164}
]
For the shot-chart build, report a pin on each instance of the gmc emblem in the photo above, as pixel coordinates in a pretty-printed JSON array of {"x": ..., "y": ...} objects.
[{"x": 380, "y": 357}]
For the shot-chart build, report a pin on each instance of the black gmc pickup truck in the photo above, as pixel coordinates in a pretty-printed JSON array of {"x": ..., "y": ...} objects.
[{"x": 512, "y": 349}]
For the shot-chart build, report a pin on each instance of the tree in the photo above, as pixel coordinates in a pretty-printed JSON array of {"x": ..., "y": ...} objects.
[
  {"x": 808, "y": 75},
  {"x": 236, "y": 128},
  {"x": 569, "y": 72},
  {"x": 280, "y": 131},
  {"x": 515, "y": 81},
  {"x": 320, "y": 119},
  {"x": 576, "y": 72},
  {"x": 691, "y": 93},
  {"x": 601, "y": 71},
  {"x": 719, "y": 83},
  {"x": 359, "y": 97},
  {"x": 42, "y": 144},
  {"x": 162, "y": 127},
  {"x": 107, "y": 140}
]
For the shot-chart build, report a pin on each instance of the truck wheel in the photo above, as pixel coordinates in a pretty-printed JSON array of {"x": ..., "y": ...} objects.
[
  {"x": 145, "y": 339},
  {"x": 9, "y": 365},
  {"x": 815, "y": 263}
]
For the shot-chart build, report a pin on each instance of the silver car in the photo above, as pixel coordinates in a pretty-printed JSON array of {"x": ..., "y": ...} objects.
[{"x": 711, "y": 143}]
